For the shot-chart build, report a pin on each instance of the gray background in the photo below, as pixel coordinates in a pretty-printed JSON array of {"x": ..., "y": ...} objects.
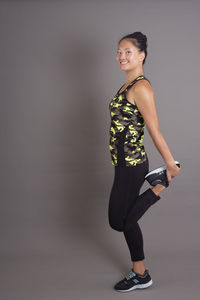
[{"x": 58, "y": 73}]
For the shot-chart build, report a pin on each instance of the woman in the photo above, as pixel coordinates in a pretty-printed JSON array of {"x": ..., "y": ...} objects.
[{"x": 131, "y": 108}]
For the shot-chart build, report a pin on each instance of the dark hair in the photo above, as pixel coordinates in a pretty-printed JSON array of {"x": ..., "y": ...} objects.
[{"x": 139, "y": 40}]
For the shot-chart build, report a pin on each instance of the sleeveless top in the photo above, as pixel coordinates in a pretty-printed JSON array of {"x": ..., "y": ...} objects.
[{"x": 126, "y": 130}]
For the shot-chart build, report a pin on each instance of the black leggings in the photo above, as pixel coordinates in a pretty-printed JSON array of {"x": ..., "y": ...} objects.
[{"x": 126, "y": 206}]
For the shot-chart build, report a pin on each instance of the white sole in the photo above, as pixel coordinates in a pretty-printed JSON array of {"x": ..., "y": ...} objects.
[
  {"x": 159, "y": 169},
  {"x": 139, "y": 286}
]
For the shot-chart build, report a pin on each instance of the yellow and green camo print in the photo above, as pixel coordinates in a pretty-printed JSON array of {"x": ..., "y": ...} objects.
[{"x": 126, "y": 130}]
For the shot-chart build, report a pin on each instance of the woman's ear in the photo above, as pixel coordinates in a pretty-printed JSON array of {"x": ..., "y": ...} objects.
[{"x": 142, "y": 56}]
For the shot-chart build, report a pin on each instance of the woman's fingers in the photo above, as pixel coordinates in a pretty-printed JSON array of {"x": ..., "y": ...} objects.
[{"x": 169, "y": 176}]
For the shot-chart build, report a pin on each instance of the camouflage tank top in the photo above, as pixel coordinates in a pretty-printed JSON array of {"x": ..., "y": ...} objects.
[{"x": 126, "y": 130}]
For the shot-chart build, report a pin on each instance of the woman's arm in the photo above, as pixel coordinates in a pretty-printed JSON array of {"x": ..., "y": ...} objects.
[{"x": 144, "y": 98}]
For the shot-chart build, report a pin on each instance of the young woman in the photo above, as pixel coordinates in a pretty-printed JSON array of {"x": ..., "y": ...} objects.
[{"x": 131, "y": 108}]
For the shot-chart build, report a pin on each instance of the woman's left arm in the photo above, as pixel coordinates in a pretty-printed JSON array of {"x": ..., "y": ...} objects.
[{"x": 144, "y": 99}]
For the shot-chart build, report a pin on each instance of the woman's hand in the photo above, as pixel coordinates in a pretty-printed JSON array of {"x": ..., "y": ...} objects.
[{"x": 172, "y": 170}]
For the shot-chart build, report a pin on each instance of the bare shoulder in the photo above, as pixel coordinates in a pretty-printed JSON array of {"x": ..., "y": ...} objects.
[
  {"x": 142, "y": 88},
  {"x": 141, "y": 85}
]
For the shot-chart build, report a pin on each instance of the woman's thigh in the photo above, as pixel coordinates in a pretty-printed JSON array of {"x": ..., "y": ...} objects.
[{"x": 126, "y": 187}]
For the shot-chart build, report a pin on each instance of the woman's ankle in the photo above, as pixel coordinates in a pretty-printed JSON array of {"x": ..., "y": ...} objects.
[
  {"x": 158, "y": 189},
  {"x": 139, "y": 267}
]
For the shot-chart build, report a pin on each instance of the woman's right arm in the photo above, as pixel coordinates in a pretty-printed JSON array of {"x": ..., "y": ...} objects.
[{"x": 144, "y": 99}]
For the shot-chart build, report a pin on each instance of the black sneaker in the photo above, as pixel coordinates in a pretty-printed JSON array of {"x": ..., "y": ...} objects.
[
  {"x": 159, "y": 175},
  {"x": 134, "y": 281}
]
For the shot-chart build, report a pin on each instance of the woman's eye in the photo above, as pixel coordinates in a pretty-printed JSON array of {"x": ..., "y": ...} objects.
[{"x": 118, "y": 52}]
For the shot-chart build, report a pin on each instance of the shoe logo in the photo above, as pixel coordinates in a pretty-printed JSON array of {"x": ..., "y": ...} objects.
[
  {"x": 130, "y": 275},
  {"x": 158, "y": 180},
  {"x": 135, "y": 280}
]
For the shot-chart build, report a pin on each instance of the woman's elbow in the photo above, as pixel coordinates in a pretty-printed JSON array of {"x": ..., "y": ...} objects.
[{"x": 154, "y": 130}]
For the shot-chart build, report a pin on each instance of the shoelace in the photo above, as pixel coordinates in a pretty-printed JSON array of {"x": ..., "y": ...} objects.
[{"x": 130, "y": 275}]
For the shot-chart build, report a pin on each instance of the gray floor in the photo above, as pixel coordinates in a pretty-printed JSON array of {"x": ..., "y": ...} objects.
[{"x": 68, "y": 262}]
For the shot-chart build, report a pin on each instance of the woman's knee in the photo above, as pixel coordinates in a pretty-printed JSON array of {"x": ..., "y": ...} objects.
[{"x": 116, "y": 225}]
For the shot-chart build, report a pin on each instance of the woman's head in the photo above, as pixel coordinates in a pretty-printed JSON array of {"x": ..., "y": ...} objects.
[{"x": 132, "y": 49}]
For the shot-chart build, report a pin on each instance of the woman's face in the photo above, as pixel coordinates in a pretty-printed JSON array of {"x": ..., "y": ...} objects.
[{"x": 128, "y": 56}]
